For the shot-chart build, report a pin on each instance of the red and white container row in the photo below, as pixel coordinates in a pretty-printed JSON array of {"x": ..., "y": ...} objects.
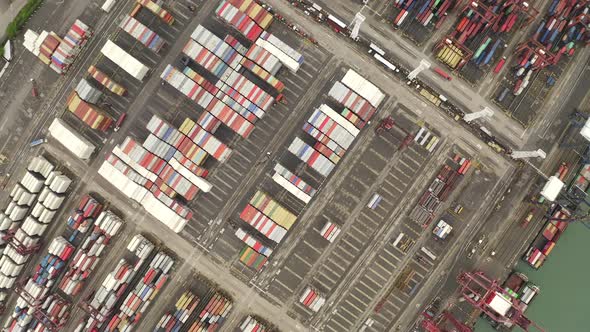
[
  {"x": 221, "y": 96},
  {"x": 248, "y": 89},
  {"x": 142, "y": 33},
  {"x": 157, "y": 10},
  {"x": 329, "y": 149},
  {"x": 352, "y": 101},
  {"x": 70, "y": 46},
  {"x": 250, "y": 324},
  {"x": 330, "y": 231},
  {"x": 263, "y": 74},
  {"x": 293, "y": 183},
  {"x": 324, "y": 144},
  {"x": 187, "y": 86},
  {"x": 213, "y": 315},
  {"x": 345, "y": 119},
  {"x": 177, "y": 140},
  {"x": 233, "y": 42},
  {"x": 311, "y": 157},
  {"x": 239, "y": 20},
  {"x": 217, "y": 46},
  {"x": 138, "y": 300},
  {"x": 184, "y": 307},
  {"x": 325, "y": 124},
  {"x": 154, "y": 168},
  {"x": 285, "y": 59},
  {"x": 230, "y": 118},
  {"x": 311, "y": 299},
  {"x": 207, "y": 59},
  {"x": 220, "y": 69},
  {"x": 88, "y": 255},
  {"x": 168, "y": 211},
  {"x": 264, "y": 59},
  {"x": 282, "y": 46},
  {"x": 141, "y": 160},
  {"x": 239, "y": 98},
  {"x": 255, "y": 11},
  {"x": 85, "y": 214},
  {"x": 205, "y": 140},
  {"x": 262, "y": 223},
  {"x": 116, "y": 283},
  {"x": 363, "y": 88},
  {"x": 195, "y": 174},
  {"x": 253, "y": 242}
]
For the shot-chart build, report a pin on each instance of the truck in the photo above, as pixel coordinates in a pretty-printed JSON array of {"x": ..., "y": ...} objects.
[
  {"x": 120, "y": 121},
  {"x": 527, "y": 219},
  {"x": 442, "y": 73},
  {"x": 38, "y": 141}
]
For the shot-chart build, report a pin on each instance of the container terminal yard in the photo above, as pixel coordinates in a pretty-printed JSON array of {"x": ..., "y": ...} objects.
[{"x": 241, "y": 165}]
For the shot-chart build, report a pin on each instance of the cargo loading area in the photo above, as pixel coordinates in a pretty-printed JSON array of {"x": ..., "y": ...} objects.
[{"x": 316, "y": 205}]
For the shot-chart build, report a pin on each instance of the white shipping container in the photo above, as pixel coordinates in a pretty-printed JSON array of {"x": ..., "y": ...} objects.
[
  {"x": 363, "y": 87},
  {"x": 71, "y": 139},
  {"x": 284, "y": 58},
  {"x": 121, "y": 58}
]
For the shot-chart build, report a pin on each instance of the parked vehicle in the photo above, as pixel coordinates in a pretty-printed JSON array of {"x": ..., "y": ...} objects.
[
  {"x": 442, "y": 74},
  {"x": 38, "y": 141},
  {"x": 120, "y": 121}
]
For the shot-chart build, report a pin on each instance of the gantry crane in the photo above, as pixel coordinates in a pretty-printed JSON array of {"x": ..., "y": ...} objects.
[
  {"x": 439, "y": 326},
  {"x": 387, "y": 124},
  {"x": 481, "y": 292}
]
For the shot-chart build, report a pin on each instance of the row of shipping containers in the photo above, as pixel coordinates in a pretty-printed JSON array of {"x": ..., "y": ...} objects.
[
  {"x": 34, "y": 202},
  {"x": 70, "y": 260},
  {"x": 183, "y": 309},
  {"x": 56, "y": 52},
  {"x": 167, "y": 165},
  {"x": 100, "y": 305},
  {"x": 137, "y": 302}
]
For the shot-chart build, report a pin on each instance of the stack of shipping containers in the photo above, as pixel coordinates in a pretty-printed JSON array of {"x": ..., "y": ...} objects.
[{"x": 34, "y": 202}]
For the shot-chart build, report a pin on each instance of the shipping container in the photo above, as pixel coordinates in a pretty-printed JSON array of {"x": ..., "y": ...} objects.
[
  {"x": 71, "y": 139},
  {"x": 89, "y": 114},
  {"x": 125, "y": 61},
  {"x": 239, "y": 20},
  {"x": 142, "y": 33},
  {"x": 157, "y": 10},
  {"x": 363, "y": 87},
  {"x": 352, "y": 101},
  {"x": 103, "y": 79},
  {"x": 311, "y": 157},
  {"x": 272, "y": 209},
  {"x": 263, "y": 224},
  {"x": 88, "y": 92},
  {"x": 256, "y": 12}
]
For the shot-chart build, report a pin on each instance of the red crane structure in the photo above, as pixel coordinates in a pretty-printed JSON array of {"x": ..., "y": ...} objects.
[
  {"x": 39, "y": 314},
  {"x": 441, "y": 326},
  {"x": 488, "y": 296},
  {"x": 18, "y": 246},
  {"x": 533, "y": 47},
  {"x": 387, "y": 124}
]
